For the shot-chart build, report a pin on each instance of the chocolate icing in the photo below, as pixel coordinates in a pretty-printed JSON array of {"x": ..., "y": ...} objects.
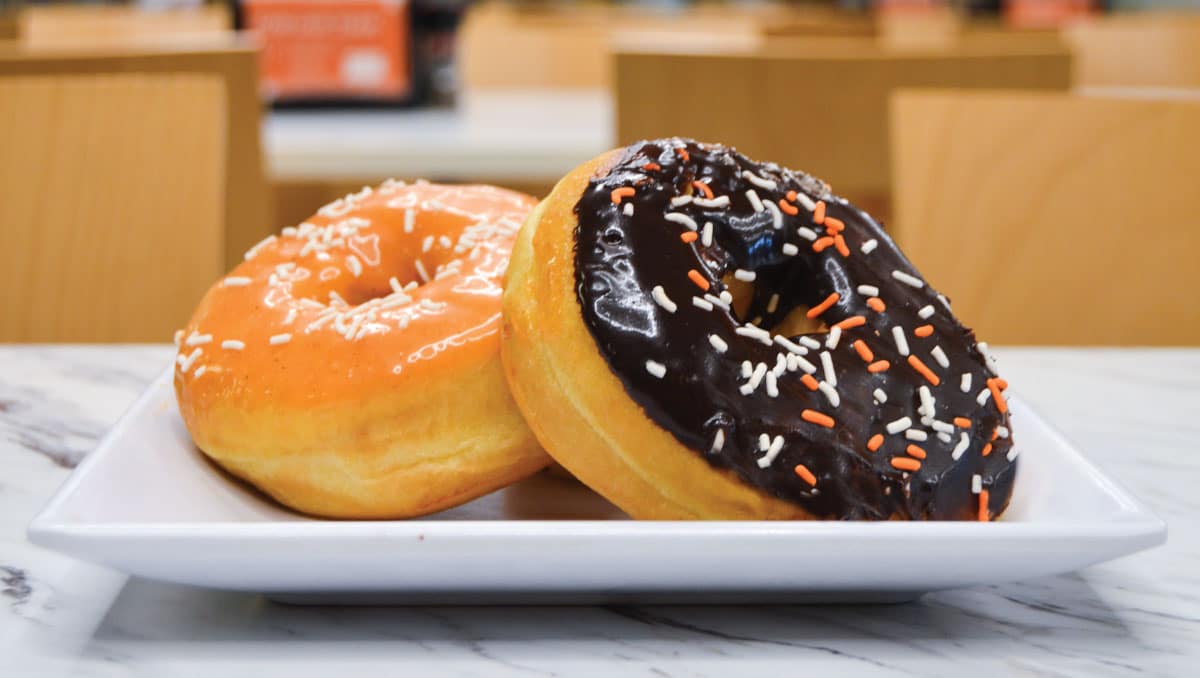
[{"x": 619, "y": 259}]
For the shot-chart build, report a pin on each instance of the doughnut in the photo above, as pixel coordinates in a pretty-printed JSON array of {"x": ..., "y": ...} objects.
[
  {"x": 695, "y": 335},
  {"x": 350, "y": 366}
]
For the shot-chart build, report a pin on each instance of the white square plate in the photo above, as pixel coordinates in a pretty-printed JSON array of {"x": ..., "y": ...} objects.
[{"x": 148, "y": 503}]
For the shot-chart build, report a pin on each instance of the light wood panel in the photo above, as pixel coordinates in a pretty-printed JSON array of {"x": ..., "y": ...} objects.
[
  {"x": 112, "y": 204},
  {"x": 246, "y": 201},
  {"x": 1054, "y": 219},
  {"x": 71, "y": 23},
  {"x": 1137, "y": 49},
  {"x": 820, "y": 106}
]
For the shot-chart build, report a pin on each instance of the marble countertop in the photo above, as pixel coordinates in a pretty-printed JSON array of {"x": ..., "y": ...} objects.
[{"x": 1134, "y": 412}]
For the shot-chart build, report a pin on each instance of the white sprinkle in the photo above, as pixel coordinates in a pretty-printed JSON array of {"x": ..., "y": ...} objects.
[
  {"x": 253, "y": 251},
  {"x": 790, "y": 250},
  {"x": 707, "y": 234},
  {"x": 755, "y": 202},
  {"x": 185, "y": 364},
  {"x": 756, "y": 377},
  {"x": 178, "y": 337},
  {"x": 803, "y": 364},
  {"x": 987, "y": 356},
  {"x": 759, "y": 181},
  {"x": 965, "y": 384},
  {"x": 780, "y": 365},
  {"x": 198, "y": 339},
  {"x": 963, "y": 443},
  {"x": 427, "y": 244},
  {"x": 983, "y": 396},
  {"x": 278, "y": 339},
  {"x": 868, "y": 290},
  {"x": 727, "y": 297},
  {"x": 718, "y": 442},
  {"x": 1012, "y": 454},
  {"x": 945, "y": 301},
  {"x": 773, "y": 303},
  {"x": 680, "y": 200},
  {"x": 772, "y": 452},
  {"x": 940, "y": 356},
  {"x": 199, "y": 371},
  {"x": 702, "y": 303},
  {"x": 915, "y": 434},
  {"x": 627, "y": 210},
  {"x": 719, "y": 201},
  {"x": 764, "y": 442},
  {"x": 869, "y": 246},
  {"x": 806, "y": 201},
  {"x": 236, "y": 281},
  {"x": 354, "y": 265},
  {"x": 925, "y": 312},
  {"x": 827, "y": 364},
  {"x": 809, "y": 342},
  {"x": 787, "y": 343},
  {"x": 807, "y": 233},
  {"x": 421, "y": 271},
  {"x": 772, "y": 386},
  {"x": 718, "y": 343},
  {"x": 409, "y": 217},
  {"x": 395, "y": 285},
  {"x": 716, "y": 302},
  {"x": 745, "y": 276},
  {"x": 908, "y": 279},
  {"x": 747, "y": 369},
  {"x": 926, "y": 401},
  {"x": 901, "y": 424},
  {"x": 1002, "y": 431},
  {"x": 291, "y": 315},
  {"x": 290, "y": 231},
  {"x": 830, "y": 393},
  {"x": 683, "y": 220},
  {"x": 835, "y": 335},
  {"x": 336, "y": 299},
  {"x": 776, "y": 215},
  {"x": 941, "y": 426},
  {"x": 657, "y": 369},
  {"x": 754, "y": 333},
  {"x": 944, "y": 437},
  {"x": 901, "y": 341},
  {"x": 660, "y": 297},
  {"x": 976, "y": 484},
  {"x": 880, "y": 396},
  {"x": 412, "y": 285},
  {"x": 233, "y": 345}
]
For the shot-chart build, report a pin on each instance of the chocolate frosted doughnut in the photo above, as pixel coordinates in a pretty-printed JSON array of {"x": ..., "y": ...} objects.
[{"x": 894, "y": 412}]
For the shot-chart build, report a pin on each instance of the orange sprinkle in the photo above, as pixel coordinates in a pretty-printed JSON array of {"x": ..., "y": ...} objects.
[
  {"x": 852, "y": 322},
  {"x": 864, "y": 351},
  {"x": 987, "y": 449},
  {"x": 906, "y": 463},
  {"x": 875, "y": 442},
  {"x": 821, "y": 244},
  {"x": 805, "y": 474},
  {"x": 1003, "y": 384},
  {"x": 651, "y": 166},
  {"x": 923, "y": 370},
  {"x": 878, "y": 366},
  {"x": 877, "y": 304},
  {"x": 962, "y": 422},
  {"x": 683, "y": 154},
  {"x": 815, "y": 417},
  {"x": 810, "y": 382},
  {"x": 983, "y": 506},
  {"x": 915, "y": 451},
  {"x": 819, "y": 212},
  {"x": 703, "y": 188},
  {"x": 689, "y": 236},
  {"x": 788, "y": 207},
  {"x": 996, "y": 397},
  {"x": 823, "y": 306},
  {"x": 695, "y": 277},
  {"x": 995, "y": 433},
  {"x": 791, "y": 196},
  {"x": 834, "y": 225},
  {"x": 840, "y": 243},
  {"x": 923, "y": 331},
  {"x": 622, "y": 192}
]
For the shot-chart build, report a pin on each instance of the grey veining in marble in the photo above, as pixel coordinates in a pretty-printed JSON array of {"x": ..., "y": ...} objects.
[{"x": 1134, "y": 412}]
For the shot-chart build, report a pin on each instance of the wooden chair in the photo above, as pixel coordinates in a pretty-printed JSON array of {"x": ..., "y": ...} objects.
[
  {"x": 1144, "y": 49},
  {"x": 1053, "y": 218},
  {"x": 246, "y": 200},
  {"x": 112, "y": 203}
]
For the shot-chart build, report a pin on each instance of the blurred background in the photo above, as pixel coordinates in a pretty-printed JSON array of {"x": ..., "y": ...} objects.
[{"x": 1037, "y": 159}]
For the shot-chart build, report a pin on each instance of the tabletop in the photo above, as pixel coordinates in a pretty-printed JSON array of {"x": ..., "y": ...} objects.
[{"x": 1133, "y": 412}]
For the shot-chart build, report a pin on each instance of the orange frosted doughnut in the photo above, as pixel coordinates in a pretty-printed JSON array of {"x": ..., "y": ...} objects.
[{"x": 350, "y": 366}]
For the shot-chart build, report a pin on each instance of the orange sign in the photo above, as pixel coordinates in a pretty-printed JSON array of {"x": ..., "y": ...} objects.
[{"x": 332, "y": 48}]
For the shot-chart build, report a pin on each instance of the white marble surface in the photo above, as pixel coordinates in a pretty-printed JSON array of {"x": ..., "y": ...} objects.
[{"x": 1134, "y": 412}]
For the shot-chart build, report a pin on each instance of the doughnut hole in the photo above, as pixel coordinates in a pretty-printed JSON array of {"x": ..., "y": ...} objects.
[{"x": 794, "y": 323}]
